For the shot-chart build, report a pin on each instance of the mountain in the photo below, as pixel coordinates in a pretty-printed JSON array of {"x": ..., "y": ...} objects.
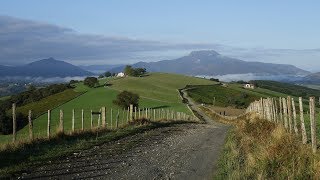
[
  {"x": 313, "y": 78},
  {"x": 44, "y": 68},
  {"x": 211, "y": 63}
]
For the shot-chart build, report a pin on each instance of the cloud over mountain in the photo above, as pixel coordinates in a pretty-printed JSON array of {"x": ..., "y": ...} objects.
[{"x": 22, "y": 41}]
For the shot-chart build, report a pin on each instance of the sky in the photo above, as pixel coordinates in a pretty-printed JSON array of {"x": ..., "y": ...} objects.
[{"x": 126, "y": 31}]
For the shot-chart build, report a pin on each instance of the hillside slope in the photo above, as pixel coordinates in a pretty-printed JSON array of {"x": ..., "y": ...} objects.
[{"x": 158, "y": 90}]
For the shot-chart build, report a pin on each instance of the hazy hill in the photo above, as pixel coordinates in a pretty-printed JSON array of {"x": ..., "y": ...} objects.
[
  {"x": 312, "y": 78},
  {"x": 210, "y": 63},
  {"x": 44, "y": 68}
]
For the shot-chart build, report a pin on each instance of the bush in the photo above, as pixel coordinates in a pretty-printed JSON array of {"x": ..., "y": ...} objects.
[
  {"x": 91, "y": 82},
  {"x": 125, "y": 98}
]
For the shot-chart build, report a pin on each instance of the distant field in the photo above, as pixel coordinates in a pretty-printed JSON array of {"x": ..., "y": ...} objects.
[
  {"x": 224, "y": 96},
  {"x": 50, "y": 102},
  {"x": 4, "y": 98},
  {"x": 156, "y": 91},
  {"x": 159, "y": 87},
  {"x": 290, "y": 89}
]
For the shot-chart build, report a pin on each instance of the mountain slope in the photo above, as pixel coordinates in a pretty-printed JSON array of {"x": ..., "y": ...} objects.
[
  {"x": 312, "y": 78},
  {"x": 44, "y": 68},
  {"x": 212, "y": 63}
]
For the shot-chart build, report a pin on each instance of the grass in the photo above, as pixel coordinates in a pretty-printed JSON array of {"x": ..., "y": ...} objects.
[
  {"x": 224, "y": 96},
  {"x": 49, "y": 102},
  {"x": 4, "y": 98},
  {"x": 158, "y": 90},
  {"x": 259, "y": 149},
  {"x": 290, "y": 89},
  {"x": 16, "y": 158}
]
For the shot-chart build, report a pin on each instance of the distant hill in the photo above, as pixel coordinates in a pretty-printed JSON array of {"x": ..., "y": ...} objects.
[
  {"x": 211, "y": 63},
  {"x": 313, "y": 78},
  {"x": 98, "y": 69},
  {"x": 44, "y": 68}
]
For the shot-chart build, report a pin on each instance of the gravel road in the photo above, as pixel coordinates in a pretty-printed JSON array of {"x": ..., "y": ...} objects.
[{"x": 181, "y": 151}]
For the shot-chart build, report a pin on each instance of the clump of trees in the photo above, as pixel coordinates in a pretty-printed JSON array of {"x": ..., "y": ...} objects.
[
  {"x": 125, "y": 98},
  {"x": 136, "y": 72},
  {"x": 215, "y": 80},
  {"x": 91, "y": 82}
]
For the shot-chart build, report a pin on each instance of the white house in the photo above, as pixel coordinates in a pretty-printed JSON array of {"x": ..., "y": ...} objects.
[
  {"x": 121, "y": 74},
  {"x": 249, "y": 86}
]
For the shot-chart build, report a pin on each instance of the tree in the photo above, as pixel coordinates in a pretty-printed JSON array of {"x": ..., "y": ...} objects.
[
  {"x": 91, "y": 82},
  {"x": 130, "y": 71},
  {"x": 101, "y": 76},
  {"x": 125, "y": 98},
  {"x": 107, "y": 74}
]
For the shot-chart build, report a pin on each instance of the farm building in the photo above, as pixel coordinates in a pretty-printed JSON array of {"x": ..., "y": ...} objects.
[
  {"x": 249, "y": 86},
  {"x": 121, "y": 74}
]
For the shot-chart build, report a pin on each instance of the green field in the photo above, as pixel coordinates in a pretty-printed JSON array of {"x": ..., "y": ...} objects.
[
  {"x": 222, "y": 96},
  {"x": 4, "y": 98},
  {"x": 158, "y": 90}
]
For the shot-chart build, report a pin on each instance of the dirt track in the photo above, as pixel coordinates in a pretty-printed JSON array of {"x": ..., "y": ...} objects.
[{"x": 184, "y": 151}]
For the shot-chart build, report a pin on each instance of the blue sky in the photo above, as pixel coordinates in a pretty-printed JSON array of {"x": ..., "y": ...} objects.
[{"x": 288, "y": 30}]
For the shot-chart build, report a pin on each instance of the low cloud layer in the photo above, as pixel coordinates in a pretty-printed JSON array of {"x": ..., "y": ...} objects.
[
  {"x": 23, "y": 41},
  {"x": 252, "y": 76}
]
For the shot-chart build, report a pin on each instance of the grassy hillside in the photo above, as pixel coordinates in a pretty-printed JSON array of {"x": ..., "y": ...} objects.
[
  {"x": 50, "y": 102},
  {"x": 224, "y": 96},
  {"x": 156, "y": 91},
  {"x": 290, "y": 89}
]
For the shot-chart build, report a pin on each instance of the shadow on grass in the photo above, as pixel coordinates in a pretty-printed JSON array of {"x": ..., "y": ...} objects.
[{"x": 16, "y": 158}]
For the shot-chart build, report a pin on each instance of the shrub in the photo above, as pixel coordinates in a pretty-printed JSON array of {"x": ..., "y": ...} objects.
[{"x": 125, "y": 98}]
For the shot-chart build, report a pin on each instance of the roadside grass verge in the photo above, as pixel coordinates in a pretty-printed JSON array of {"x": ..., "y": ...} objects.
[
  {"x": 259, "y": 149},
  {"x": 16, "y": 159}
]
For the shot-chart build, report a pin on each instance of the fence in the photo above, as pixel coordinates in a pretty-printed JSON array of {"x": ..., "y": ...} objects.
[
  {"x": 102, "y": 119},
  {"x": 283, "y": 111}
]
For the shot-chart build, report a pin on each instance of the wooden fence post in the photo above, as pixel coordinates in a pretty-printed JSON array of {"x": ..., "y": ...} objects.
[
  {"x": 73, "y": 120},
  {"x": 128, "y": 114},
  {"x": 48, "y": 127},
  {"x": 103, "y": 117},
  {"x": 313, "y": 124},
  {"x": 14, "y": 123},
  {"x": 61, "y": 125},
  {"x": 289, "y": 113},
  {"x": 280, "y": 111},
  {"x": 91, "y": 120},
  {"x": 294, "y": 116},
  {"x": 111, "y": 118},
  {"x": 139, "y": 113},
  {"x": 82, "y": 119},
  {"x": 117, "y": 119},
  {"x": 99, "y": 118},
  {"x": 146, "y": 113},
  {"x": 131, "y": 112},
  {"x": 154, "y": 114},
  {"x": 303, "y": 127},
  {"x": 135, "y": 112},
  {"x": 285, "y": 112},
  {"x": 30, "y": 125}
]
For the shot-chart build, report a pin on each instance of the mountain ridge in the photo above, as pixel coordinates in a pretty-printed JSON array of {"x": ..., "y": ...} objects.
[
  {"x": 211, "y": 63},
  {"x": 49, "y": 67}
]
